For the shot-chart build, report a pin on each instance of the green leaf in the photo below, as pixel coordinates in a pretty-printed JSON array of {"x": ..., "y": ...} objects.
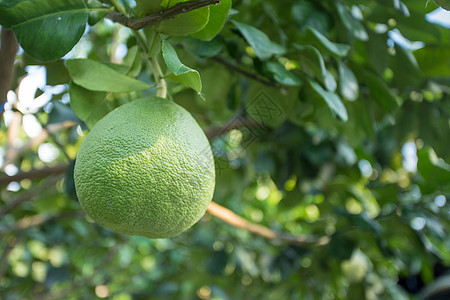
[
  {"x": 367, "y": 199},
  {"x": 419, "y": 7},
  {"x": 154, "y": 42},
  {"x": 217, "y": 16},
  {"x": 89, "y": 106},
  {"x": 350, "y": 23},
  {"x": 268, "y": 105},
  {"x": 434, "y": 60},
  {"x": 60, "y": 113},
  {"x": 335, "y": 49},
  {"x": 200, "y": 48},
  {"x": 282, "y": 75},
  {"x": 56, "y": 73},
  {"x": 185, "y": 23},
  {"x": 417, "y": 28},
  {"x": 348, "y": 85},
  {"x": 306, "y": 14},
  {"x": 434, "y": 170},
  {"x": 97, "y": 12},
  {"x": 333, "y": 101},
  {"x": 46, "y": 32},
  {"x": 125, "y": 4},
  {"x": 181, "y": 73},
  {"x": 406, "y": 69},
  {"x": 445, "y": 4},
  {"x": 210, "y": 48},
  {"x": 146, "y": 7},
  {"x": 96, "y": 76},
  {"x": 329, "y": 81},
  {"x": 311, "y": 62},
  {"x": 133, "y": 60},
  {"x": 401, "y": 8},
  {"x": 381, "y": 92},
  {"x": 377, "y": 51},
  {"x": 341, "y": 247},
  {"x": 260, "y": 42}
]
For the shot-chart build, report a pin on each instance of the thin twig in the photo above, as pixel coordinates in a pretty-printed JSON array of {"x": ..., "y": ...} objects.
[
  {"x": 161, "y": 84},
  {"x": 245, "y": 73},
  {"x": 234, "y": 123},
  {"x": 88, "y": 280},
  {"x": 55, "y": 140},
  {"x": 214, "y": 209},
  {"x": 34, "y": 174},
  {"x": 51, "y": 128},
  {"x": 166, "y": 14},
  {"x": 28, "y": 195},
  {"x": 231, "y": 218},
  {"x": 9, "y": 48},
  {"x": 211, "y": 132},
  {"x": 4, "y": 260},
  {"x": 38, "y": 220},
  {"x": 13, "y": 132}
]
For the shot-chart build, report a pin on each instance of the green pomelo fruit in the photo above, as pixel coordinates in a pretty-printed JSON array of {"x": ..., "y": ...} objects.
[{"x": 146, "y": 169}]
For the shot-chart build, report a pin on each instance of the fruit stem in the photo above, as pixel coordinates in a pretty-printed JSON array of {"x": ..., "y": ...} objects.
[{"x": 161, "y": 84}]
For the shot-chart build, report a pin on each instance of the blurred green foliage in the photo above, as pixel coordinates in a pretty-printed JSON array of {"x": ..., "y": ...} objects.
[{"x": 351, "y": 144}]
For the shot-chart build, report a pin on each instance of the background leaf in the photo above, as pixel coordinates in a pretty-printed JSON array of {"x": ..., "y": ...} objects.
[
  {"x": 381, "y": 92},
  {"x": 282, "y": 75},
  {"x": 335, "y": 49},
  {"x": 445, "y": 4},
  {"x": 434, "y": 60},
  {"x": 313, "y": 63},
  {"x": 332, "y": 100},
  {"x": 406, "y": 68},
  {"x": 348, "y": 85},
  {"x": 373, "y": 191},
  {"x": 260, "y": 42},
  {"x": 350, "y": 23},
  {"x": 305, "y": 14}
]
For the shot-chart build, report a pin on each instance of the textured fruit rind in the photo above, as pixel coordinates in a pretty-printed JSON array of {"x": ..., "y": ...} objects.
[{"x": 146, "y": 169}]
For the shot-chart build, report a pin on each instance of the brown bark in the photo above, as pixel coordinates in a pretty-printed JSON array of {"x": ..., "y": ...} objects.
[
  {"x": 8, "y": 53},
  {"x": 33, "y": 174},
  {"x": 232, "y": 219},
  {"x": 167, "y": 14}
]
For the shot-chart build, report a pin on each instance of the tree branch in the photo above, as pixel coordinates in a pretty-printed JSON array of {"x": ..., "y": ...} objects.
[
  {"x": 4, "y": 260},
  {"x": 86, "y": 281},
  {"x": 231, "y": 218},
  {"x": 37, "y": 220},
  {"x": 33, "y": 174},
  {"x": 7, "y": 57},
  {"x": 235, "y": 123},
  {"x": 166, "y": 14},
  {"x": 49, "y": 129},
  {"x": 245, "y": 73},
  {"x": 27, "y": 195},
  {"x": 13, "y": 132},
  {"x": 214, "y": 209},
  {"x": 210, "y": 132}
]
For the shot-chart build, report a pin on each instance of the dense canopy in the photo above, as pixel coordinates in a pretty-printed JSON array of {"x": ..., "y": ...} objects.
[{"x": 329, "y": 122}]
